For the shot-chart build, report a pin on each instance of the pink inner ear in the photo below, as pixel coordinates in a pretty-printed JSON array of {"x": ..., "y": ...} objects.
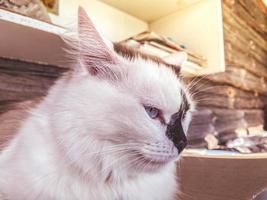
[{"x": 93, "y": 71}]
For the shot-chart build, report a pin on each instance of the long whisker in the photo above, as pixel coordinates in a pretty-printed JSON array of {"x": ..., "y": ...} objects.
[
  {"x": 204, "y": 90},
  {"x": 197, "y": 80}
]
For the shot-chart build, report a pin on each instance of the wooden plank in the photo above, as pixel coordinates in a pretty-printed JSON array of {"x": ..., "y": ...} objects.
[
  {"x": 241, "y": 27},
  {"x": 230, "y": 125},
  {"x": 228, "y": 114},
  {"x": 235, "y": 57},
  {"x": 223, "y": 101},
  {"x": 202, "y": 116},
  {"x": 22, "y": 87},
  {"x": 241, "y": 79},
  {"x": 20, "y": 81},
  {"x": 234, "y": 76},
  {"x": 249, "y": 11},
  {"x": 209, "y": 87},
  {"x": 248, "y": 103},
  {"x": 17, "y": 67},
  {"x": 246, "y": 46},
  {"x": 199, "y": 131},
  {"x": 263, "y": 99},
  {"x": 265, "y": 118},
  {"x": 213, "y": 100},
  {"x": 7, "y": 96},
  {"x": 254, "y": 117}
]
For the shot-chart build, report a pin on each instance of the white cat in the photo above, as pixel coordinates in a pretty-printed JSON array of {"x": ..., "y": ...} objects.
[{"x": 111, "y": 129}]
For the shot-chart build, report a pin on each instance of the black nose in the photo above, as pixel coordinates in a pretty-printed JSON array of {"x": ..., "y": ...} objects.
[{"x": 176, "y": 133}]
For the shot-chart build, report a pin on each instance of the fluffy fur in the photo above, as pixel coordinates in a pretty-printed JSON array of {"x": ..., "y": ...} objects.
[{"x": 91, "y": 137}]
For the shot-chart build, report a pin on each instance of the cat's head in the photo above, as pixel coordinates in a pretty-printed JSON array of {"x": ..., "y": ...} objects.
[{"x": 119, "y": 109}]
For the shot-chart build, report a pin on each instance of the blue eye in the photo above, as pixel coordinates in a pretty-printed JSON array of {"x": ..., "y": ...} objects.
[{"x": 152, "y": 112}]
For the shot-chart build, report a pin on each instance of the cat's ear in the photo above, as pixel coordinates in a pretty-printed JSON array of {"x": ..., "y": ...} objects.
[
  {"x": 96, "y": 55},
  {"x": 176, "y": 58}
]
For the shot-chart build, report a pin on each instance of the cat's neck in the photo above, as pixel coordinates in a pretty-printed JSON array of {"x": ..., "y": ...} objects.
[{"x": 39, "y": 145}]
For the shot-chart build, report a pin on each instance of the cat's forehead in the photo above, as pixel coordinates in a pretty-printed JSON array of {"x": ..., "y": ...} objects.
[
  {"x": 152, "y": 79},
  {"x": 148, "y": 70},
  {"x": 157, "y": 84}
]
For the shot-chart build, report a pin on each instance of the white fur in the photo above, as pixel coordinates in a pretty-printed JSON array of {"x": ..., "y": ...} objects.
[{"x": 85, "y": 139}]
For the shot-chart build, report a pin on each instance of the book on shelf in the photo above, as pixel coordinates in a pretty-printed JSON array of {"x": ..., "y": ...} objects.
[
  {"x": 152, "y": 36},
  {"x": 150, "y": 49},
  {"x": 147, "y": 48},
  {"x": 153, "y": 44}
]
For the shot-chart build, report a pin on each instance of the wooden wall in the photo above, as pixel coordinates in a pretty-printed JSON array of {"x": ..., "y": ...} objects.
[
  {"x": 237, "y": 98},
  {"x": 20, "y": 81}
]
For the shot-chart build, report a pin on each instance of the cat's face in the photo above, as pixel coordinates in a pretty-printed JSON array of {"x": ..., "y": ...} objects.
[{"x": 128, "y": 114}]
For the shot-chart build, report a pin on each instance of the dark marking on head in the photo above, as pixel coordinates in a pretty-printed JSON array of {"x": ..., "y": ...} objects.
[
  {"x": 131, "y": 54},
  {"x": 175, "y": 131},
  {"x": 185, "y": 106}
]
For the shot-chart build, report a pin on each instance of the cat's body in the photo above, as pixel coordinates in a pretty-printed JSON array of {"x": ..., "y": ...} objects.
[
  {"x": 50, "y": 178},
  {"x": 31, "y": 168},
  {"x": 99, "y": 134}
]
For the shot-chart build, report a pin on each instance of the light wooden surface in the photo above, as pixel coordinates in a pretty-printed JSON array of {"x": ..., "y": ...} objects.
[{"x": 222, "y": 177}]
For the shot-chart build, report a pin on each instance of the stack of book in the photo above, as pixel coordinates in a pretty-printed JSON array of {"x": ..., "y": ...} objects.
[{"x": 153, "y": 44}]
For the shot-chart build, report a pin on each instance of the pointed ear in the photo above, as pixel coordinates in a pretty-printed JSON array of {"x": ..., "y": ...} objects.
[
  {"x": 95, "y": 54},
  {"x": 176, "y": 58}
]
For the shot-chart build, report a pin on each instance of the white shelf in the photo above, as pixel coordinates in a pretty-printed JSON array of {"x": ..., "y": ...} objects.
[
  {"x": 27, "y": 39},
  {"x": 197, "y": 24}
]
